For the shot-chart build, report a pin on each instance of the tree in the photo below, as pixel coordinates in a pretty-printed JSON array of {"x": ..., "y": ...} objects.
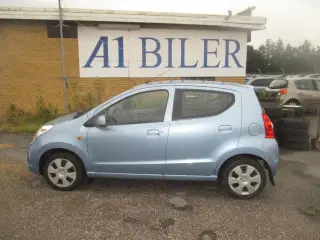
[{"x": 272, "y": 56}]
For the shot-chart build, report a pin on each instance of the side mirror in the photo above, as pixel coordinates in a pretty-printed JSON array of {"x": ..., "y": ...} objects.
[{"x": 101, "y": 121}]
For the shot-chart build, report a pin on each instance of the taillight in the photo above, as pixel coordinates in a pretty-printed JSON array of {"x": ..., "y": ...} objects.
[
  {"x": 283, "y": 91},
  {"x": 268, "y": 126}
]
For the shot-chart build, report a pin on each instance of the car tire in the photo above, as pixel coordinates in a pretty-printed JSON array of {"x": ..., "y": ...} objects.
[
  {"x": 273, "y": 111},
  {"x": 299, "y": 111},
  {"x": 64, "y": 171},
  {"x": 296, "y": 139},
  {"x": 237, "y": 186},
  {"x": 295, "y": 123},
  {"x": 293, "y": 102},
  {"x": 301, "y": 146},
  {"x": 288, "y": 132},
  {"x": 287, "y": 113}
]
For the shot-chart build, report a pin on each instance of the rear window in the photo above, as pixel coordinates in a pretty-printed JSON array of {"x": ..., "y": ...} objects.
[
  {"x": 278, "y": 84},
  {"x": 261, "y": 82},
  {"x": 190, "y": 103}
]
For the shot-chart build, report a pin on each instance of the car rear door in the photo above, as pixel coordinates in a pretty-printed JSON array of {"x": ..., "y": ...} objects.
[
  {"x": 308, "y": 93},
  {"x": 205, "y": 123},
  {"x": 317, "y": 85}
]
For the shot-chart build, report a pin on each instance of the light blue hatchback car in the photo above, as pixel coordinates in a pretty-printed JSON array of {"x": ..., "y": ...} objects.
[{"x": 175, "y": 130}]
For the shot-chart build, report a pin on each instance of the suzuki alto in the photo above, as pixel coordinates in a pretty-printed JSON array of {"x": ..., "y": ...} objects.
[{"x": 175, "y": 130}]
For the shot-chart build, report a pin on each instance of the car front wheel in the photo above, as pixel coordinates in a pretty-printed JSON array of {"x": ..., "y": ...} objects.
[
  {"x": 244, "y": 178},
  {"x": 64, "y": 171}
]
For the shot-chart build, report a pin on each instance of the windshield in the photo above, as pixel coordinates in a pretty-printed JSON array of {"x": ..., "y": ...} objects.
[{"x": 278, "y": 84}]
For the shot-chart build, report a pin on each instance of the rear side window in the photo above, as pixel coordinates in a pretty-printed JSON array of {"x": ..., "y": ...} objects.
[
  {"x": 318, "y": 84},
  {"x": 200, "y": 103},
  {"x": 261, "y": 82},
  {"x": 305, "y": 85},
  {"x": 278, "y": 84}
]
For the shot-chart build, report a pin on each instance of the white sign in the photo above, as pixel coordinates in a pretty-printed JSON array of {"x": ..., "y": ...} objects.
[{"x": 161, "y": 52}]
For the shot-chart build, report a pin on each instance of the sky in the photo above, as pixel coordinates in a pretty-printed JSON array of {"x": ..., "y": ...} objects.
[{"x": 291, "y": 20}]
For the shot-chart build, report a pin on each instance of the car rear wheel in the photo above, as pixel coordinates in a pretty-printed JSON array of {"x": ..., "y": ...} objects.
[
  {"x": 64, "y": 171},
  {"x": 293, "y": 103},
  {"x": 244, "y": 178}
]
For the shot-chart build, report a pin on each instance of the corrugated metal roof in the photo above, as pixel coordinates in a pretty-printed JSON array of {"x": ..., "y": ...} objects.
[{"x": 233, "y": 21}]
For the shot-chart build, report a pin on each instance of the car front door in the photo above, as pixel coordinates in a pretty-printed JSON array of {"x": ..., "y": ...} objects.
[
  {"x": 135, "y": 138},
  {"x": 205, "y": 122}
]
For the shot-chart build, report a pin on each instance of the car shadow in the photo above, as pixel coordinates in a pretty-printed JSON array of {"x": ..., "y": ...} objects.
[{"x": 156, "y": 186}]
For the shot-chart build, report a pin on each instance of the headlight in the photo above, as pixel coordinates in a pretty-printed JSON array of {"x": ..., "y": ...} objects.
[{"x": 42, "y": 130}]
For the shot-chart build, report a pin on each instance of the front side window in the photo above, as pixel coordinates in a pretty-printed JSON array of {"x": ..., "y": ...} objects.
[
  {"x": 305, "y": 85},
  {"x": 146, "y": 107},
  {"x": 190, "y": 103}
]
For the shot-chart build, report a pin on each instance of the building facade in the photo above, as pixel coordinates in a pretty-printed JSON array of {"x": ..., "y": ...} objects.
[{"x": 107, "y": 52}]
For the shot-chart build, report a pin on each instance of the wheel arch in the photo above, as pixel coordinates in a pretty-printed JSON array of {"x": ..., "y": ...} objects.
[
  {"x": 255, "y": 157},
  {"x": 293, "y": 99},
  {"x": 49, "y": 152}
]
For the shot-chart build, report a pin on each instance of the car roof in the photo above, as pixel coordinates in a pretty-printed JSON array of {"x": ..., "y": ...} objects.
[
  {"x": 196, "y": 83},
  {"x": 264, "y": 77},
  {"x": 301, "y": 78}
]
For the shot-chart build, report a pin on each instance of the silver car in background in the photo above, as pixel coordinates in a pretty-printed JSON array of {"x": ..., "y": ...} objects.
[{"x": 296, "y": 91}]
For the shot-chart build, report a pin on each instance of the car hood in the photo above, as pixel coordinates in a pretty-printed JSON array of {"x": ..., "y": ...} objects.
[{"x": 62, "y": 119}]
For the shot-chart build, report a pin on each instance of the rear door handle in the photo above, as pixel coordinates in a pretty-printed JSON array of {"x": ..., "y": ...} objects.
[
  {"x": 225, "y": 128},
  {"x": 153, "y": 132}
]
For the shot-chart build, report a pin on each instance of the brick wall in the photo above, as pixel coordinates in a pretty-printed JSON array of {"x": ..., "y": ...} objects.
[{"x": 30, "y": 66}]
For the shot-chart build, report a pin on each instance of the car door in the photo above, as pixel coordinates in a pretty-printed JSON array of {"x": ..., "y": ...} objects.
[
  {"x": 205, "y": 123},
  {"x": 317, "y": 85},
  {"x": 307, "y": 93},
  {"x": 135, "y": 138}
]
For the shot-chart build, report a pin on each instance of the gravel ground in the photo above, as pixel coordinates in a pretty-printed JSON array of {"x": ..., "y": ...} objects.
[{"x": 132, "y": 209}]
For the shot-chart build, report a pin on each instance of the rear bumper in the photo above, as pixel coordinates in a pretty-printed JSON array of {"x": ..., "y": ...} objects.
[{"x": 270, "y": 146}]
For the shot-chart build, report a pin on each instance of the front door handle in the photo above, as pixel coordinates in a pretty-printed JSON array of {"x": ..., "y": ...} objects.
[
  {"x": 225, "y": 128},
  {"x": 153, "y": 132}
]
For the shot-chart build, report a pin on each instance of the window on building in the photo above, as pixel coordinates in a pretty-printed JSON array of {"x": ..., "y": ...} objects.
[
  {"x": 69, "y": 29},
  {"x": 200, "y": 103},
  {"x": 146, "y": 107},
  {"x": 199, "y": 78}
]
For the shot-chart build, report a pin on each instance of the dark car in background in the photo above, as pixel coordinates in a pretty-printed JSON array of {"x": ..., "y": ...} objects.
[{"x": 260, "y": 83}]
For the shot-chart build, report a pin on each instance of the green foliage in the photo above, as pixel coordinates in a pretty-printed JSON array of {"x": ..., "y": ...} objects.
[
  {"x": 45, "y": 112},
  {"x": 81, "y": 102},
  {"x": 24, "y": 127},
  {"x": 19, "y": 121},
  {"x": 272, "y": 56},
  {"x": 14, "y": 115},
  {"x": 312, "y": 211}
]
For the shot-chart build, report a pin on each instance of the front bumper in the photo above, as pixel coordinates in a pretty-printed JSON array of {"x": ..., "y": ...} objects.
[{"x": 33, "y": 158}]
